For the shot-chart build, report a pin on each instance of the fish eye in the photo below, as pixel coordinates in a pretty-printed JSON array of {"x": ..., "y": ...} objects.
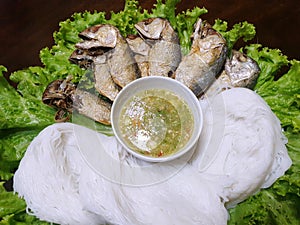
[{"x": 79, "y": 51}]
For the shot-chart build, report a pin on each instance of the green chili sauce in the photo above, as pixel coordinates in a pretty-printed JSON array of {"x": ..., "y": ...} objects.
[{"x": 156, "y": 122}]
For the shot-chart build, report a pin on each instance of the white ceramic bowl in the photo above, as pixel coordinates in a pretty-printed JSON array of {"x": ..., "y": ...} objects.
[{"x": 158, "y": 82}]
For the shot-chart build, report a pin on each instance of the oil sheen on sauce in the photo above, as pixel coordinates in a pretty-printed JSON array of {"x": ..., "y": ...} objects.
[{"x": 156, "y": 122}]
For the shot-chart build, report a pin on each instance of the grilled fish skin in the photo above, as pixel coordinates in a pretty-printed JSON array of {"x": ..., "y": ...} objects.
[
  {"x": 123, "y": 67},
  {"x": 58, "y": 94},
  {"x": 240, "y": 71},
  {"x": 165, "y": 52},
  {"x": 199, "y": 68},
  {"x": 105, "y": 51},
  {"x": 222, "y": 83}
]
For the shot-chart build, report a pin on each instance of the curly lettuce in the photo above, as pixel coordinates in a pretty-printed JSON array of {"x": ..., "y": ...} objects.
[
  {"x": 13, "y": 210},
  {"x": 279, "y": 204},
  {"x": 244, "y": 30}
]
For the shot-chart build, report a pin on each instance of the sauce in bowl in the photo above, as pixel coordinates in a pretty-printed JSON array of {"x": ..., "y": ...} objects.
[{"x": 156, "y": 122}]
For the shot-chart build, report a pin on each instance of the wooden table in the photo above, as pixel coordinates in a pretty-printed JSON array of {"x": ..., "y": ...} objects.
[{"x": 27, "y": 26}]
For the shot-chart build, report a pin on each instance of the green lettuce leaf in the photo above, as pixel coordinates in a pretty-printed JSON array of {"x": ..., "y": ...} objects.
[
  {"x": 267, "y": 208},
  {"x": 22, "y": 218},
  {"x": 13, "y": 145},
  {"x": 244, "y": 30},
  {"x": 10, "y": 203},
  {"x": 183, "y": 23},
  {"x": 283, "y": 95},
  {"x": 184, "y": 26},
  {"x": 23, "y": 107},
  {"x": 13, "y": 210},
  {"x": 166, "y": 10},
  {"x": 22, "y": 116},
  {"x": 279, "y": 204},
  {"x": 127, "y": 18}
]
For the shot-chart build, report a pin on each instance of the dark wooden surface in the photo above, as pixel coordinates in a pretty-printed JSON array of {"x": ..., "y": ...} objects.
[{"x": 27, "y": 25}]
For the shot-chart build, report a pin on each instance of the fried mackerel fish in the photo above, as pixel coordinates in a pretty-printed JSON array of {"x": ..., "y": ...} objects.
[
  {"x": 105, "y": 51},
  {"x": 63, "y": 95},
  {"x": 141, "y": 51},
  {"x": 103, "y": 81},
  {"x": 157, "y": 48},
  {"x": 198, "y": 69},
  {"x": 115, "y": 61},
  {"x": 240, "y": 70},
  {"x": 119, "y": 57}
]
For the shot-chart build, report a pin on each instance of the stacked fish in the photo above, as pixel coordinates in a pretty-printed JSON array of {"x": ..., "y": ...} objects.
[{"x": 116, "y": 61}]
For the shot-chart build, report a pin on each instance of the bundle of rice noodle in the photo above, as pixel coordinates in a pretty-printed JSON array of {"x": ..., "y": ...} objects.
[{"x": 73, "y": 175}]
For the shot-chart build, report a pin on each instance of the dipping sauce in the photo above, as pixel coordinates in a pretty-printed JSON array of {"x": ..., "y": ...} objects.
[{"x": 156, "y": 122}]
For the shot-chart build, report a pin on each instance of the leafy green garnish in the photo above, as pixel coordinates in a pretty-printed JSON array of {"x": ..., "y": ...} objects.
[
  {"x": 267, "y": 208},
  {"x": 22, "y": 116},
  {"x": 282, "y": 95},
  {"x": 279, "y": 204},
  {"x": 9, "y": 202},
  {"x": 13, "y": 210},
  {"x": 183, "y": 23},
  {"x": 127, "y": 18},
  {"x": 243, "y": 30},
  {"x": 23, "y": 108}
]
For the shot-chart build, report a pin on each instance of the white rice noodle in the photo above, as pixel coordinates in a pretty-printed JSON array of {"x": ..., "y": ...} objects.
[
  {"x": 241, "y": 150},
  {"x": 48, "y": 175},
  {"x": 242, "y": 140},
  {"x": 186, "y": 198}
]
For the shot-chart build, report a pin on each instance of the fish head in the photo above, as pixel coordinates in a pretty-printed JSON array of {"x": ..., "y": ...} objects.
[
  {"x": 82, "y": 58},
  {"x": 104, "y": 35},
  {"x": 242, "y": 69},
  {"x": 138, "y": 45},
  {"x": 151, "y": 28},
  {"x": 203, "y": 30},
  {"x": 208, "y": 44},
  {"x": 59, "y": 93},
  {"x": 91, "y": 45}
]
